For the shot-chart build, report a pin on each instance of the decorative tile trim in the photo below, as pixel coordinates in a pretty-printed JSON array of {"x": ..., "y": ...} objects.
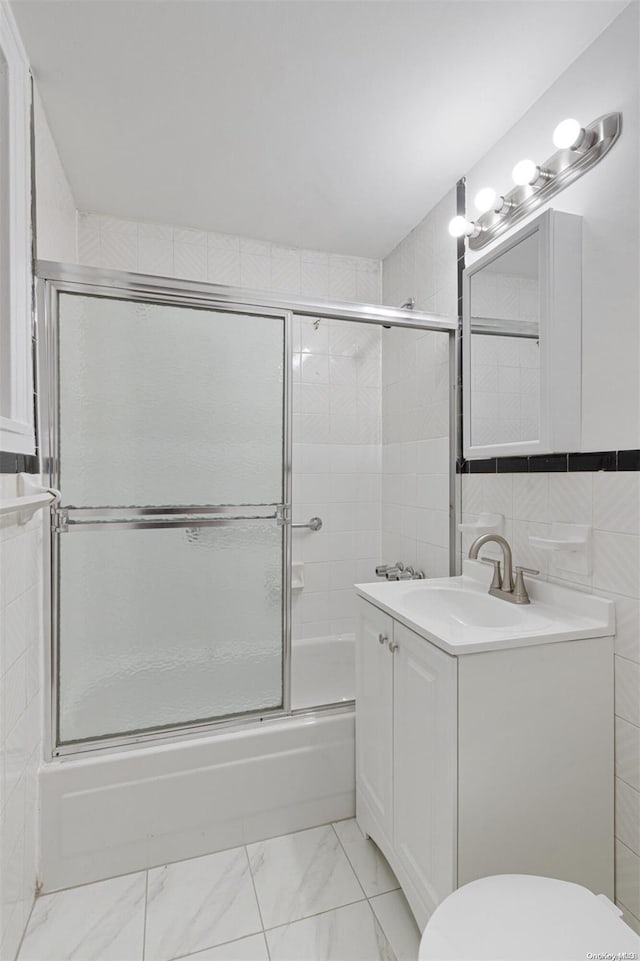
[
  {"x": 12, "y": 463},
  {"x": 608, "y": 460},
  {"x": 629, "y": 460},
  {"x": 603, "y": 460}
]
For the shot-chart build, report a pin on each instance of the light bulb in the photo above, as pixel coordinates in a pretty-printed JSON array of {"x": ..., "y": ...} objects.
[
  {"x": 567, "y": 134},
  {"x": 458, "y": 227},
  {"x": 461, "y": 227},
  {"x": 485, "y": 199},
  {"x": 570, "y": 135},
  {"x": 525, "y": 172}
]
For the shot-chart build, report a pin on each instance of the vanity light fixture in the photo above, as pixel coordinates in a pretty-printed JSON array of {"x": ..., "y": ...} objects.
[
  {"x": 485, "y": 199},
  {"x": 527, "y": 172},
  {"x": 578, "y": 149},
  {"x": 461, "y": 227},
  {"x": 569, "y": 135}
]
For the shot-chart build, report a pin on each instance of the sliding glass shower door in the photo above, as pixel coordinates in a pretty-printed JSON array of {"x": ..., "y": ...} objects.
[{"x": 171, "y": 535}]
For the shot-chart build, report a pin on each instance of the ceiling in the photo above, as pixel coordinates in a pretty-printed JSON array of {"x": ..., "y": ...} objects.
[{"x": 328, "y": 125}]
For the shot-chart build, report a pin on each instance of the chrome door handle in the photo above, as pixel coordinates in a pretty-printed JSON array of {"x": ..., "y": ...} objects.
[
  {"x": 393, "y": 646},
  {"x": 382, "y": 638}
]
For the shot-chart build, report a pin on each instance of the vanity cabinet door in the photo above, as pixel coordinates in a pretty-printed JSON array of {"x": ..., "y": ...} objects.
[
  {"x": 374, "y": 719},
  {"x": 425, "y": 769}
]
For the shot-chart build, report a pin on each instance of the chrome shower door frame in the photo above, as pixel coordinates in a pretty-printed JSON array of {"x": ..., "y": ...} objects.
[
  {"x": 55, "y": 278},
  {"x": 116, "y": 287}
]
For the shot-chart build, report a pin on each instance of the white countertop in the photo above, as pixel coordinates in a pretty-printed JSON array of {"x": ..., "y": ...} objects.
[{"x": 460, "y": 617}]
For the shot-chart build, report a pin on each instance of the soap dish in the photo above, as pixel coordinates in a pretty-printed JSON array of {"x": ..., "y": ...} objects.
[
  {"x": 297, "y": 576},
  {"x": 572, "y": 543},
  {"x": 485, "y": 524}
]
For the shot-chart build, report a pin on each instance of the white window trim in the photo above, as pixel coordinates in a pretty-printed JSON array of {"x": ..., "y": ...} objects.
[{"x": 16, "y": 424}]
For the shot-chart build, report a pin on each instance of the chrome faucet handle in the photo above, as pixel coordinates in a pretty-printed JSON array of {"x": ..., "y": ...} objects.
[
  {"x": 405, "y": 575},
  {"x": 399, "y": 565},
  {"x": 520, "y": 593},
  {"x": 418, "y": 576},
  {"x": 496, "y": 583}
]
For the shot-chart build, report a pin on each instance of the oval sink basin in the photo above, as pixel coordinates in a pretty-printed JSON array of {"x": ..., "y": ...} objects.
[
  {"x": 467, "y": 608},
  {"x": 461, "y": 617}
]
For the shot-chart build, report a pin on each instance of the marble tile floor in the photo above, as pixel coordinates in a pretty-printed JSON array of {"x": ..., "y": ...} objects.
[{"x": 324, "y": 894}]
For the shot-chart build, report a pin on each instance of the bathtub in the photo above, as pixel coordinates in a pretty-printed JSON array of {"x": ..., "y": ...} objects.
[
  {"x": 120, "y": 811},
  {"x": 322, "y": 671}
]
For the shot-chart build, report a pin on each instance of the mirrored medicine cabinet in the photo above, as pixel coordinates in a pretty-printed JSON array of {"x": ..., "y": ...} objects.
[{"x": 522, "y": 317}]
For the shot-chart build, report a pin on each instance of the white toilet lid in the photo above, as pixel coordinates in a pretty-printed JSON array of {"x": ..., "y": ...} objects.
[{"x": 521, "y": 917}]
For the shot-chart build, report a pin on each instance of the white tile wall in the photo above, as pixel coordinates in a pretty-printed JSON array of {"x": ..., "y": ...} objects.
[
  {"x": 610, "y": 502},
  {"x": 415, "y": 458},
  {"x": 423, "y": 265},
  {"x": 336, "y": 469},
  {"x": 505, "y": 381},
  {"x": 415, "y": 399},
  {"x": 505, "y": 371},
  {"x": 21, "y": 711},
  {"x": 191, "y": 254},
  {"x": 21, "y": 608}
]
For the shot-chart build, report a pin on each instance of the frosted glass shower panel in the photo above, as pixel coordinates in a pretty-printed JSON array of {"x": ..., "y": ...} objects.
[
  {"x": 166, "y": 404},
  {"x": 164, "y": 627}
]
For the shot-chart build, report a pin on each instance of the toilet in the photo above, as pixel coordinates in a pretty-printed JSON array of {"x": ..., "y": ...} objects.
[{"x": 522, "y": 917}]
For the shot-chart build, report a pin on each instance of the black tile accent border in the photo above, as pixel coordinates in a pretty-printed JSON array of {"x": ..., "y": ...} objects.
[
  {"x": 629, "y": 460},
  {"x": 12, "y": 463},
  {"x": 597, "y": 460},
  {"x": 486, "y": 466},
  {"x": 608, "y": 460},
  {"x": 545, "y": 463},
  {"x": 513, "y": 465}
]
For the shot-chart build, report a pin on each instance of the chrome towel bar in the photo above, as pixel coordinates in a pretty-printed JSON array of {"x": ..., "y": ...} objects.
[
  {"x": 31, "y": 498},
  {"x": 315, "y": 524}
]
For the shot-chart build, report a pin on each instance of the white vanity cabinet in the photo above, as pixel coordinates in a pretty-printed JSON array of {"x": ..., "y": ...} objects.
[
  {"x": 374, "y": 717},
  {"x": 494, "y": 762}
]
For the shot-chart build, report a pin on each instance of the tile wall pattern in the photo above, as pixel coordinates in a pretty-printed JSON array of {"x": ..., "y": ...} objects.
[
  {"x": 21, "y": 696},
  {"x": 224, "y": 259},
  {"x": 610, "y": 502},
  {"x": 336, "y": 469},
  {"x": 21, "y": 603},
  {"x": 415, "y": 398},
  {"x": 505, "y": 371}
]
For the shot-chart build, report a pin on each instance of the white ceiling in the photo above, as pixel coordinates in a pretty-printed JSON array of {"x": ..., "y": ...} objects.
[{"x": 329, "y": 125}]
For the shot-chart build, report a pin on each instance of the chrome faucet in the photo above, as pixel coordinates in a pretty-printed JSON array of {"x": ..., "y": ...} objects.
[
  {"x": 398, "y": 572},
  {"x": 503, "y": 586}
]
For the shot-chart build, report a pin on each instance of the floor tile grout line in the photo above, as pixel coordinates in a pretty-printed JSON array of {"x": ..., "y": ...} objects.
[
  {"x": 378, "y": 922},
  {"x": 386, "y": 895},
  {"x": 255, "y": 894},
  {"x": 26, "y": 927},
  {"x": 344, "y": 851},
  {"x": 146, "y": 901},
  {"x": 212, "y": 947},
  {"x": 263, "y": 930},
  {"x": 112, "y": 877},
  {"x": 266, "y": 944},
  {"x": 317, "y": 914},
  {"x": 371, "y": 841}
]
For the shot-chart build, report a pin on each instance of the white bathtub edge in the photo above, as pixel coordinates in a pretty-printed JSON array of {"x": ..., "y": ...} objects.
[{"x": 119, "y": 813}]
